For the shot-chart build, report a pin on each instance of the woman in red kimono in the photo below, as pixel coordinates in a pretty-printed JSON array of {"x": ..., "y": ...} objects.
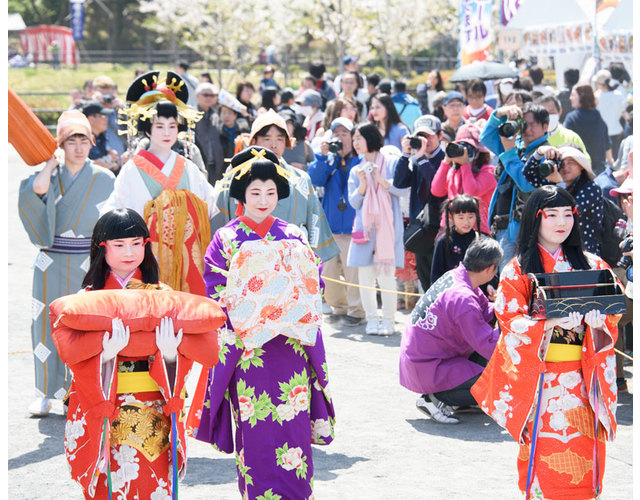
[
  {"x": 131, "y": 457},
  {"x": 552, "y": 383}
]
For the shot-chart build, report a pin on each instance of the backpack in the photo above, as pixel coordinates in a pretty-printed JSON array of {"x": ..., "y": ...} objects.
[{"x": 609, "y": 241}]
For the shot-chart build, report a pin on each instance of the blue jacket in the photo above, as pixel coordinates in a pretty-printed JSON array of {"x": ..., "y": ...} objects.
[
  {"x": 513, "y": 165},
  {"x": 408, "y": 108},
  {"x": 424, "y": 169},
  {"x": 336, "y": 189}
]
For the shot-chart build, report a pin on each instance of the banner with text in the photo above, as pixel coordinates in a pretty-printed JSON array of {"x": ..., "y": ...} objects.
[
  {"x": 508, "y": 8},
  {"x": 77, "y": 18},
  {"x": 475, "y": 30}
]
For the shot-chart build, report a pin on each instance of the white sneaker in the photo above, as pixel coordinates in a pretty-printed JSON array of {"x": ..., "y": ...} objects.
[
  {"x": 40, "y": 407},
  {"x": 386, "y": 328},
  {"x": 372, "y": 327},
  {"x": 437, "y": 410},
  {"x": 326, "y": 308}
]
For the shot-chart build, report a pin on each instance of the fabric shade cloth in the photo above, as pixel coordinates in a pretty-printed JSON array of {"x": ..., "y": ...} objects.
[
  {"x": 485, "y": 70},
  {"x": 37, "y": 41},
  {"x": 33, "y": 142}
]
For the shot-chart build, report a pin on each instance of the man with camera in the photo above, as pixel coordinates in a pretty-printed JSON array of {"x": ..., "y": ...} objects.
[
  {"x": 330, "y": 170},
  {"x": 102, "y": 153},
  {"x": 513, "y": 134},
  {"x": 421, "y": 157},
  {"x": 105, "y": 92}
]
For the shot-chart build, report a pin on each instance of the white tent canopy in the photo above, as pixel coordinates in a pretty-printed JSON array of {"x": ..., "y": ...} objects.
[
  {"x": 621, "y": 18},
  {"x": 537, "y": 13},
  {"x": 15, "y": 22}
]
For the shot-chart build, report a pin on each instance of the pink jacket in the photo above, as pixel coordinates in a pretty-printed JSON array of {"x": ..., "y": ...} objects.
[{"x": 450, "y": 182}]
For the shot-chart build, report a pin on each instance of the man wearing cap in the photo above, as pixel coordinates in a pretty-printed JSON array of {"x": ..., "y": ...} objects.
[
  {"x": 309, "y": 104},
  {"x": 453, "y": 106},
  {"x": 330, "y": 170},
  {"x": 513, "y": 188},
  {"x": 349, "y": 64},
  {"x": 301, "y": 208},
  {"x": 102, "y": 153},
  {"x": 58, "y": 208},
  {"x": 574, "y": 173},
  {"x": 415, "y": 170},
  {"x": 207, "y": 131}
]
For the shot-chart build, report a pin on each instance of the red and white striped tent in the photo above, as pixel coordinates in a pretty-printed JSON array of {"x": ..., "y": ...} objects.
[{"x": 37, "y": 40}]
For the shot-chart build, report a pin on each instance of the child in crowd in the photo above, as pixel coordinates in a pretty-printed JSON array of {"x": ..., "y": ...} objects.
[{"x": 462, "y": 216}]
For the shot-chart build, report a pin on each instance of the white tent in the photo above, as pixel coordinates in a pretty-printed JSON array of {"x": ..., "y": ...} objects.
[
  {"x": 15, "y": 22},
  {"x": 541, "y": 13},
  {"x": 621, "y": 18}
]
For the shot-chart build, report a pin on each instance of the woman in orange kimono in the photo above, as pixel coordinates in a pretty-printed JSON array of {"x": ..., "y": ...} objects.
[
  {"x": 552, "y": 383},
  {"x": 125, "y": 435}
]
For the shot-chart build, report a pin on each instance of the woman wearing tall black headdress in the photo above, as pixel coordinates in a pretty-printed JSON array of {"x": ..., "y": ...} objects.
[
  {"x": 167, "y": 189},
  {"x": 269, "y": 395}
]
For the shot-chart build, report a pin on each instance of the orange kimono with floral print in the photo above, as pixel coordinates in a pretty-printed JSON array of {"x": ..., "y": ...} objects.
[{"x": 567, "y": 463}]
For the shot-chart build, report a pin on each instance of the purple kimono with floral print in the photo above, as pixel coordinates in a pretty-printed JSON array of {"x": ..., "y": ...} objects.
[{"x": 275, "y": 396}]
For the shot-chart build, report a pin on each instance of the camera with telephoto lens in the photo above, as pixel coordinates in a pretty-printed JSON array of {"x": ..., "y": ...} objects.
[
  {"x": 457, "y": 149},
  {"x": 627, "y": 246},
  {"x": 512, "y": 127},
  {"x": 546, "y": 167},
  {"x": 107, "y": 98},
  {"x": 415, "y": 142},
  {"x": 335, "y": 145}
]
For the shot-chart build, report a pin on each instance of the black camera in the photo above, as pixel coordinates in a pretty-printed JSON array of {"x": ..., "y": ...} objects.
[
  {"x": 627, "y": 246},
  {"x": 512, "y": 127},
  {"x": 107, "y": 98},
  {"x": 457, "y": 149},
  {"x": 546, "y": 167},
  {"x": 415, "y": 142},
  {"x": 335, "y": 145}
]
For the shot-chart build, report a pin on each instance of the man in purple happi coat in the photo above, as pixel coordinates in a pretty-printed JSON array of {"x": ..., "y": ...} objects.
[{"x": 449, "y": 338}]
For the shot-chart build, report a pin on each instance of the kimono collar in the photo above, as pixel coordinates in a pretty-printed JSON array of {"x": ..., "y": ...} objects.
[
  {"x": 549, "y": 259},
  {"x": 114, "y": 281},
  {"x": 152, "y": 158},
  {"x": 262, "y": 228}
]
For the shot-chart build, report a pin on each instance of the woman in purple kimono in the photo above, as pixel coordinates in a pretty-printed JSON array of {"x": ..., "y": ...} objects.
[{"x": 271, "y": 384}]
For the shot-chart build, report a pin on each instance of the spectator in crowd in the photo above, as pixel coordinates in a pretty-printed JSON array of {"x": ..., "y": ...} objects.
[
  {"x": 415, "y": 170},
  {"x": 437, "y": 106},
  {"x": 317, "y": 70},
  {"x": 477, "y": 109},
  {"x": 462, "y": 214},
  {"x": 350, "y": 65},
  {"x": 102, "y": 152},
  {"x": 302, "y": 207},
  {"x": 308, "y": 82},
  {"x": 518, "y": 98},
  {"x": 207, "y": 131},
  {"x": 509, "y": 196},
  {"x": 350, "y": 85},
  {"x": 620, "y": 78},
  {"x": 469, "y": 172},
  {"x": 309, "y": 105},
  {"x": 406, "y": 105},
  {"x": 571, "y": 77},
  {"x": 287, "y": 100},
  {"x": 523, "y": 83},
  {"x": 205, "y": 77},
  {"x": 626, "y": 146},
  {"x": 270, "y": 99},
  {"x": 544, "y": 372},
  {"x": 76, "y": 96},
  {"x": 301, "y": 154},
  {"x": 504, "y": 87},
  {"x": 572, "y": 168},
  {"x": 267, "y": 80},
  {"x": 558, "y": 133},
  {"x": 611, "y": 105},
  {"x": 587, "y": 122},
  {"x": 330, "y": 170},
  {"x": 87, "y": 89},
  {"x": 244, "y": 94},
  {"x": 385, "y": 116},
  {"x": 385, "y": 86},
  {"x": 339, "y": 107},
  {"x": 450, "y": 337},
  {"x": 58, "y": 208},
  {"x": 453, "y": 106},
  {"x": 435, "y": 84},
  {"x": 191, "y": 81},
  {"x": 376, "y": 240},
  {"x": 233, "y": 124},
  {"x": 537, "y": 75},
  {"x": 106, "y": 93},
  {"x": 373, "y": 79}
]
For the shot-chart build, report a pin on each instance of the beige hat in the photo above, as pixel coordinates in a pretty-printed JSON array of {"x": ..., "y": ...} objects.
[
  {"x": 267, "y": 119},
  {"x": 73, "y": 122},
  {"x": 582, "y": 159}
]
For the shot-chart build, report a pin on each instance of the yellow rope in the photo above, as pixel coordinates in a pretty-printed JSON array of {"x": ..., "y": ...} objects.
[{"x": 346, "y": 283}]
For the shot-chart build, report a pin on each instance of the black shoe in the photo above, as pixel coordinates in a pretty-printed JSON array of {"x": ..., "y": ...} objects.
[{"x": 351, "y": 320}]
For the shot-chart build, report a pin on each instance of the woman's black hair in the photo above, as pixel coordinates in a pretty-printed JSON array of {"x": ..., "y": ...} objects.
[
  {"x": 263, "y": 169},
  {"x": 371, "y": 134},
  {"x": 166, "y": 109},
  {"x": 392, "y": 113},
  {"x": 527, "y": 251},
  {"x": 462, "y": 203},
  {"x": 117, "y": 224},
  {"x": 268, "y": 96},
  {"x": 480, "y": 161}
]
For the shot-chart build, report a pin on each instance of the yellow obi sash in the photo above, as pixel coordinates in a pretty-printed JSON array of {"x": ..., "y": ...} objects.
[
  {"x": 132, "y": 382},
  {"x": 563, "y": 352}
]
